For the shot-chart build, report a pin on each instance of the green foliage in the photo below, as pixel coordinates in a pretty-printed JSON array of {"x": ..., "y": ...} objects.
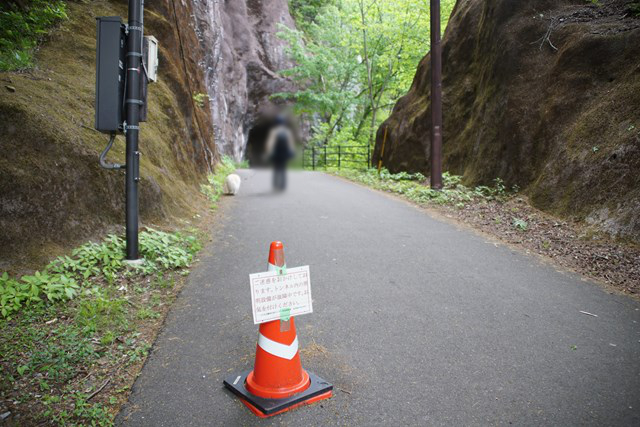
[
  {"x": 520, "y": 224},
  {"x": 52, "y": 355},
  {"x": 491, "y": 193},
  {"x": 65, "y": 277},
  {"x": 451, "y": 181},
  {"x": 242, "y": 165},
  {"x": 200, "y": 99},
  {"x": 70, "y": 325},
  {"x": 31, "y": 289},
  {"x": 213, "y": 189},
  {"x": 22, "y": 29},
  {"x": 167, "y": 250},
  {"x": 91, "y": 259},
  {"x": 413, "y": 187},
  {"x": 59, "y": 357},
  {"x": 102, "y": 314},
  {"x": 163, "y": 282},
  {"x": 93, "y": 414},
  {"x": 147, "y": 313},
  {"x": 305, "y": 11},
  {"x": 401, "y": 176},
  {"x": 354, "y": 59}
]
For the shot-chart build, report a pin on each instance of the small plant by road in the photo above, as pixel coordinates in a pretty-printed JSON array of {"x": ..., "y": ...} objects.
[
  {"x": 200, "y": 99},
  {"x": 520, "y": 224}
]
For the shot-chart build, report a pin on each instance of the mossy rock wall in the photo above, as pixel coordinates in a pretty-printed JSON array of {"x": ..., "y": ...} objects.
[
  {"x": 557, "y": 116},
  {"x": 52, "y": 191}
]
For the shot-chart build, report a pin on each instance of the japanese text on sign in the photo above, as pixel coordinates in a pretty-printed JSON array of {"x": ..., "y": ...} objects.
[{"x": 271, "y": 293}]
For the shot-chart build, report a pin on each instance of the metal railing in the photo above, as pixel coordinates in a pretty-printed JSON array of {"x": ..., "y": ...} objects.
[{"x": 338, "y": 156}]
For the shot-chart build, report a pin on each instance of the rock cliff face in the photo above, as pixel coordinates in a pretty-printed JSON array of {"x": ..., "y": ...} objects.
[
  {"x": 543, "y": 94},
  {"x": 241, "y": 64},
  {"x": 52, "y": 192},
  {"x": 50, "y": 181}
]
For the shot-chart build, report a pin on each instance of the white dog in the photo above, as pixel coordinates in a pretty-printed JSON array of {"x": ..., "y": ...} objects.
[{"x": 232, "y": 184}]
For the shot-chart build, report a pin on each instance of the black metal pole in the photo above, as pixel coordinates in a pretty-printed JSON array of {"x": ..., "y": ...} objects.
[
  {"x": 325, "y": 156},
  {"x": 313, "y": 158},
  {"x": 436, "y": 97},
  {"x": 132, "y": 129},
  {"x": 339, "y": 157}
]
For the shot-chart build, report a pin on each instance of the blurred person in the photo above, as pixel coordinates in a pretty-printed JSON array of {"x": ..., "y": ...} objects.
[{"x": 280, "y": 148}]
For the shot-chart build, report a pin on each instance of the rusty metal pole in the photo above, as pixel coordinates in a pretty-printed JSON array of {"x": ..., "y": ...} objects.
[
  {"x": 436, "y": 97},
  {"x": 384, "y": 141}
]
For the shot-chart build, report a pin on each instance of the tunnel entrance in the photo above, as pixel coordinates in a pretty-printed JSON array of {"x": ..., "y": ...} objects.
[{"x": 256, "y": 144}]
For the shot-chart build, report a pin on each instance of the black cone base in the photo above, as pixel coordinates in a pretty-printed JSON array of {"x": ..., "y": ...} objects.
[{"x": 268, "y": 407}]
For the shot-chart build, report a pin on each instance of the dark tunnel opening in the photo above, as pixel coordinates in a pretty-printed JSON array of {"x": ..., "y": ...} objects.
[{"x": 256, "y": 144}]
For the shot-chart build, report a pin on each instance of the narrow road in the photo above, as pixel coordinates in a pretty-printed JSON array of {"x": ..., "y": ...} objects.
[{"x": 416, "y": 321}]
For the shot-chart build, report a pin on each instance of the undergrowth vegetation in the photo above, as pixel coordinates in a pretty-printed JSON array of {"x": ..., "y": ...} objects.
[
  {"x": 22, "y": 28},
  {"x": 215, "y": 181},
  {"x": 454, "y": 194},
  {"x": 67, "y": 277},
  {"x": 413, "y": 187},
  {"x": 75, "y": 333},
  {"x": 67, "y": 326}
]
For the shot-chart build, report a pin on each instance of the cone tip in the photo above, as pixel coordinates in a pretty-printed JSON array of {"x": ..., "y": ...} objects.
[{"x": 277, "y": 245}]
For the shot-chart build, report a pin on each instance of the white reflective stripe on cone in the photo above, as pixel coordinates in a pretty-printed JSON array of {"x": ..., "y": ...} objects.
[{"x": 277, "y": 349}]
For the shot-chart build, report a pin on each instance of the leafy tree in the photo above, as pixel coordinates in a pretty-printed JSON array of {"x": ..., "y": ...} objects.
[
  {"x": 305, "y": 11},
  {"x": 326, "y": 69},
  {"x": 354, "y": 59}
]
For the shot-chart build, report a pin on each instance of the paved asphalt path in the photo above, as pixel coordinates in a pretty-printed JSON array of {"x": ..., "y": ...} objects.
[{"x": 416, "y": 322}]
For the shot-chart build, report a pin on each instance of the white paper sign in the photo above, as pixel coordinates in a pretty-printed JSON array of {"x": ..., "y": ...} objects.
[{"x": 274, "y": 295}]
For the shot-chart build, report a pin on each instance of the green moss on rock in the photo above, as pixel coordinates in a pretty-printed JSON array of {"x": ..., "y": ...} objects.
[
  {"x": 53, "y": 192},
  {"x": 562, "y": 124}
]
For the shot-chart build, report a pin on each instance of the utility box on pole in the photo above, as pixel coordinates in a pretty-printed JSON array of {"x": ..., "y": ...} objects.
[
  {"x": 110, "y": 74},
  {"x": 126, "y": 61}
]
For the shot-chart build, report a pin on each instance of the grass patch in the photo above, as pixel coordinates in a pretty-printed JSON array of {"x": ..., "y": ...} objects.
[
  {"x": 244, "y": 164},
  {"x": 22, "y": 28},
  {"x": 72, "y": 332},
  {"x": 414, "y": 188},
  {"x": 215, "y": 181}
]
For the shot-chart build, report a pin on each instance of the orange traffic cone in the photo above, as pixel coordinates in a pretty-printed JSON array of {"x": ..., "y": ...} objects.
[{"x": 278, "y": 383}]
